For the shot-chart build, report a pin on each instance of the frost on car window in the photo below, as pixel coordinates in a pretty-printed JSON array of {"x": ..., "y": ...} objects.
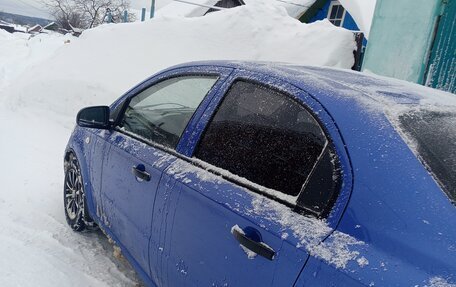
[
  {"x": 434, "y": 134},
  {"x": 264, "y": 136}
]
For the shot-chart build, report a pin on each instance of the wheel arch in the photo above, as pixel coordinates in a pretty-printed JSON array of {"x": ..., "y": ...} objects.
[{"x": 81, "y": 153}]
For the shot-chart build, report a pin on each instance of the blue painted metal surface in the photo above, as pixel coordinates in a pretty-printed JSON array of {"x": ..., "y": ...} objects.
[
  {"x": 143, "y": 14},
  {"x": 176, "y": 229},
  {"x": 152, "y": 9},
  {"x": 208, "y": 209}
]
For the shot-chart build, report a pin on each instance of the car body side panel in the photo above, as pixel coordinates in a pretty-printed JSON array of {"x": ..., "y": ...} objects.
[
  {"x": 190, "y": 208},
  {"x": 403, "y": 219},
  {"x": 143, "y": 274},
  {"x": 83, "y": 149},
  {"x": 195, "y": 213},
  {"x": 128, "y": 202},
  {"x": 99, "y": 148}
]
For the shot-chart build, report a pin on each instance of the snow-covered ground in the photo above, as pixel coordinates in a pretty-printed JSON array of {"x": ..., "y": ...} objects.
[{"x": 45, "y": 80}]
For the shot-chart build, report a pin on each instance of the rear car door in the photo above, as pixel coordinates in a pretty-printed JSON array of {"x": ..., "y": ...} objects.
[
  {"x": 235, "y": 211},
  {"x": 155, "y": 116}
]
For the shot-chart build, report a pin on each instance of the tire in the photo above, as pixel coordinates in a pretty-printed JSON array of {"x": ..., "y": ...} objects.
[{"x": 74, "y": 199}]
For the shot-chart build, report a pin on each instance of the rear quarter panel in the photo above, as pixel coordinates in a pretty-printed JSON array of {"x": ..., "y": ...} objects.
[{"x": 404, "y": 219}]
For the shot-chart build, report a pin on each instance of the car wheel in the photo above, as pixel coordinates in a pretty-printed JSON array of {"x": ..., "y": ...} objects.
[{"x": 74, "y": 198}]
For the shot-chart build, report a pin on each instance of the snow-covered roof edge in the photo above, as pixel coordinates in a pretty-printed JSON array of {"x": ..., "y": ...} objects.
[{"x": 362, "y": 12}]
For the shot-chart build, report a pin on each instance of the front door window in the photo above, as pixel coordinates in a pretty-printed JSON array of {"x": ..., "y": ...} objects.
[{"x": 160, "y": 113}]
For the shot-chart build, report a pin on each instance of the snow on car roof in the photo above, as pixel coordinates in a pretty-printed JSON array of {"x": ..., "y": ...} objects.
[{"x": 375, "y": 92}]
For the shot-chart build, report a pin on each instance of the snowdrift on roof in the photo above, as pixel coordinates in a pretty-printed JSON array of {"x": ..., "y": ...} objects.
[{"x": 362, "y": 12}]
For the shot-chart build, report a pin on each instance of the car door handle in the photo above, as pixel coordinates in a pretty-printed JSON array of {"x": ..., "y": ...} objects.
[
  {"x": 259, "y": 248},
  {"x": 140, "y": 173}
]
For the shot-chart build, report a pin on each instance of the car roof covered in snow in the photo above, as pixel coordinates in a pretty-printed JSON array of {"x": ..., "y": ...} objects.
[{"x": 372, "y": 92}]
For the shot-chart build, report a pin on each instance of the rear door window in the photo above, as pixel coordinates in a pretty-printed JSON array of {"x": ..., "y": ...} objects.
[
  {"x": 266, "y": 137},
  {"x": 160, "y": 113}
]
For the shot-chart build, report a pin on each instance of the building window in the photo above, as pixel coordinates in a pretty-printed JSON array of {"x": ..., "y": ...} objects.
[{"x": 336, "y": 13}]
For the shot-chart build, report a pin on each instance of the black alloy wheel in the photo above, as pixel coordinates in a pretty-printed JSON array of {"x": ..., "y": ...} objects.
[{"x": 74, "y": 199}]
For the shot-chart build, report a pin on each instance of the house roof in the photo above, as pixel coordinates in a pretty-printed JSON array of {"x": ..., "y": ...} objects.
[
  {"x": 361, "y": 10},
  {"x": 50, "y": 25},
  {"x": 76, "y": 30},
  {"x": 295, "y": 8},
  {"x": 36, "y": 28},
  {"x": 196, "y": 8}
]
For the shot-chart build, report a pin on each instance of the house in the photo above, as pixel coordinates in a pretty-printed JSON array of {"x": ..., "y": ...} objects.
[
  {"x": 35, "y": 29},
  {"x": 75, "y": 31},
  {"x": 12, "y": 28},
  {"x": 338, "y": 15},
  {"x": 332, "y": 10},
  {"x": 308, "y": 11},
  {"x": 52, "y": 27},
  {"x": 7, "y": 27},
  {"x": 417, "y": 45},
  {"x": 226, "y": 4}
]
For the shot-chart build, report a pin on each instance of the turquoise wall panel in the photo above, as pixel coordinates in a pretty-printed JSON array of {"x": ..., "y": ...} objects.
[
  {"x": 441, "y": 72},
  {"x": 400, "y": 38}
]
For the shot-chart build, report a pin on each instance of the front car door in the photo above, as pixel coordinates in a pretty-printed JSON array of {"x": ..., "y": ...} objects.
[
  {"x": 149, "y": 127},
  {"x": 240, "y": 209}
]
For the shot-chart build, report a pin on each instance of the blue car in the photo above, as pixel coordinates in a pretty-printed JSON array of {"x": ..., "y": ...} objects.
[{"x": 260, "y": 174}]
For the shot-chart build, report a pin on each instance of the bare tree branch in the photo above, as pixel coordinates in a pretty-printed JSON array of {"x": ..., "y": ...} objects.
[{"x": 87, "y": 14}]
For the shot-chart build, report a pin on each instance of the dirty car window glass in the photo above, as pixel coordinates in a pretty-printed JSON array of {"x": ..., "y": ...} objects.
[
  {"x": 434, "y": 133},
  {"x": 161, "y": 113},
  {"x": 264, "y": 136}
]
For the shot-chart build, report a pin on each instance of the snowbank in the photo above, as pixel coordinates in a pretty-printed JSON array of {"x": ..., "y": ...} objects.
[
  {"x": 105, "y": 62},
  {"x": 20, "y": 51}
]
